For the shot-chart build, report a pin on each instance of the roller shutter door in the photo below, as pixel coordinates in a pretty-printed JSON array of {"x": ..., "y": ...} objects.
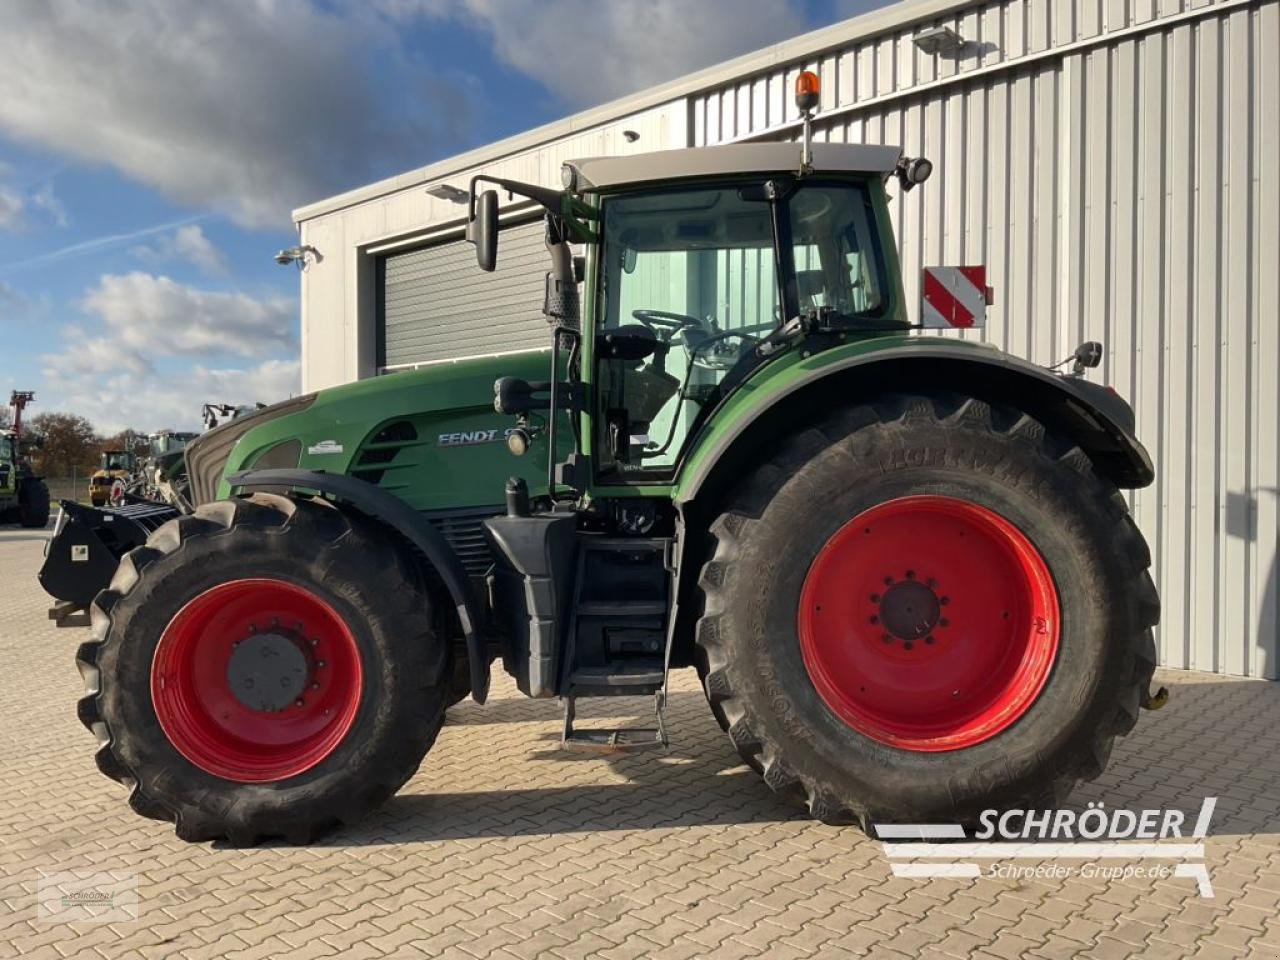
[{"x": 434, "y": 303}]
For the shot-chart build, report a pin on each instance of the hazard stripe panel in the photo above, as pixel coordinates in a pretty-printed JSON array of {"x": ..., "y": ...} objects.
[{"x": 954, "y": 297}]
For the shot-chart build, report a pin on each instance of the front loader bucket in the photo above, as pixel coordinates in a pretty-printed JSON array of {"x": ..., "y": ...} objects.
[{"x": 86, "y": 547}]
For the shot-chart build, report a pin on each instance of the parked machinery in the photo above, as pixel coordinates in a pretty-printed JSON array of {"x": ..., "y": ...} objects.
[{"x": 902, "y": 565}]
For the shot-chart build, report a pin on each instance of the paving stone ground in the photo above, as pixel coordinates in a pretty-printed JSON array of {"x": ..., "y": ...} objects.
[{"x": 504, "y": 847}]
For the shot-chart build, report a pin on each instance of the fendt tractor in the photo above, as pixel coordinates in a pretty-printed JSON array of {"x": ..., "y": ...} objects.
[
  {"x": 24, "y": 497},
  {"x": 901, "y": 565}
]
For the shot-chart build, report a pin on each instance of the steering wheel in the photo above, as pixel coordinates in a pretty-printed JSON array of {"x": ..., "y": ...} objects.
[{"x": 667, "y": 320}]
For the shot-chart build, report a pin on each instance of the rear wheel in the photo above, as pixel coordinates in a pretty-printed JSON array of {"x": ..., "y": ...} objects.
[
  {"x": 266, "y": 667},
  {"x": 925, "y": 608},
  {"x": 33, "y": 504}
]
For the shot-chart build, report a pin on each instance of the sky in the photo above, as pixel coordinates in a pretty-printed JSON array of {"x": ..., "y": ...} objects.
[{"x": 151, "y": 152}]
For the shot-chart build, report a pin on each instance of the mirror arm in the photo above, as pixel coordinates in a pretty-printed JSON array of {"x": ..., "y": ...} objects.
[{"x": 551, "y": 199}]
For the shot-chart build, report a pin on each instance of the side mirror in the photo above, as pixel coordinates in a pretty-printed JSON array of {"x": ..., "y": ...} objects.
[{"x": 482, "y": 230}]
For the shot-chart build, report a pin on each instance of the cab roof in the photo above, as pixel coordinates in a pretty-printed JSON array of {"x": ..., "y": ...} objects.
[{"x": 603, "y": 173}]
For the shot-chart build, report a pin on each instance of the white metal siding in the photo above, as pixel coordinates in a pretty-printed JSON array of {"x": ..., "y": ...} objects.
[{"x": 1114, "y": 164}]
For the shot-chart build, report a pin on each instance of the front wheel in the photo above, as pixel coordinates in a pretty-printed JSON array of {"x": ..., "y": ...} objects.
[
  {"x": 925, "y": 608},
  {"x": 265, "y": 667}
]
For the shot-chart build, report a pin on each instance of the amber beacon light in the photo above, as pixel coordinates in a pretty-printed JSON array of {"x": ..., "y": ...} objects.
[{"x": 808, "y": 87}]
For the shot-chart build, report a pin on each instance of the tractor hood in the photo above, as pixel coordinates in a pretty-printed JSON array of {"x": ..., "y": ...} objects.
[{"x": 430, "y": 436}]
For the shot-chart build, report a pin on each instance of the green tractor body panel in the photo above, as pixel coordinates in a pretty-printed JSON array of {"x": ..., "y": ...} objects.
[{"x": 451, "y": 455}]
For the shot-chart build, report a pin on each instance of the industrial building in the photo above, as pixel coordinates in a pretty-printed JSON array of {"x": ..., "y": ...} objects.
[{"x": 1112, "y": 162}]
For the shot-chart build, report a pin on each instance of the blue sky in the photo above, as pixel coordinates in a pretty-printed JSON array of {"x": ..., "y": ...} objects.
[{"x": 150, "y": 153}]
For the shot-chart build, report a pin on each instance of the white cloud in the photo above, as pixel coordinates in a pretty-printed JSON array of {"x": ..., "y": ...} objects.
[
  {"x": 11, "y": 206},
  {"x": 131, "y": 364},
  {"x": 90, "y": 356},
  {"x": 154, "y": 314},
  {"x": 249, "y": 108},
  {"x": 46, "y": 200},
  {"x": 189, "y": 244},
  {"x": 588, "y": 51},
  {"x": 156, "y": 400},
  {"x": 17, "y": 206}
]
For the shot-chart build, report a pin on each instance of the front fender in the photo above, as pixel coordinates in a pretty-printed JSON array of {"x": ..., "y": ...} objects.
[{"x": 406, "y": 522}]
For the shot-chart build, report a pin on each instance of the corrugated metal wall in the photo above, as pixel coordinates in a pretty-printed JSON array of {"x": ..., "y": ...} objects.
[{"x": 1114, "y": 163}]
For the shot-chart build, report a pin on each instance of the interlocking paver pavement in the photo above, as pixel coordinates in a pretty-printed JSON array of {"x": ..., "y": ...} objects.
[{"x": 503, "y": 847}]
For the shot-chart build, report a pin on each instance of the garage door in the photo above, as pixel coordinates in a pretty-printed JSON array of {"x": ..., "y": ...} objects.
[{"x": 434, "y": 303}]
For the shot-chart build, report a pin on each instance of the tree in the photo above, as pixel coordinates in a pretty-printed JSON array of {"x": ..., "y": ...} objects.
[{"x": 69, "y": 443}]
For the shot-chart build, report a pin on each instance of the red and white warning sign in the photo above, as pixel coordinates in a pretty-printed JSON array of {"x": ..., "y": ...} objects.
[{"x": 954, "y": 297}]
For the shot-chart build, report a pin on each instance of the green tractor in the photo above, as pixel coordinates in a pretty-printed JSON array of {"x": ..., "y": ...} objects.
[
  {"x": 902, "y": 565},
  {"x": 24, "y": 497}
]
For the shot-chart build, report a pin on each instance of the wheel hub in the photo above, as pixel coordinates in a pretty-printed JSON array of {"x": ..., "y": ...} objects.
[
  {"x": 910, "y": 610},
  {"x": 268, "y": 671}
]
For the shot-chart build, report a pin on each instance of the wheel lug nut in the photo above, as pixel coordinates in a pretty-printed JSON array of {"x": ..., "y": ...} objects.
[
  {"x": 314, "y": 641},
  {"x": 315, "y": 686},
  {"x": 887, "y": 638},
  {"x": 298, "y": 702},
  {"x": 906, "y": 644},
  {"x": 929, "y": 639},
  {"x": 944, "y": 622},
  {"x": 944, "y": 600},
  {"x": 888, "y": 580},
  {"x": 875, "y": 619},
  {"x": 911, "y": 574},
  {"x": 875, "y": 598},
  {"x": 320, "y": 664}
]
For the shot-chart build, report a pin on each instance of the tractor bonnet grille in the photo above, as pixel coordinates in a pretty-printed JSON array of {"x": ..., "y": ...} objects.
[
  {"x": 464, "y": 529},
  {"x": 380, "y": 459}
]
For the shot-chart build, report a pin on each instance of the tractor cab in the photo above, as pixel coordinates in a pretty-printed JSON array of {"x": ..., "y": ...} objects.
[
  {"x": 695, "y": 283},
  {"x": 701, "y": 268},
  {"x": 117, "y": 460}
]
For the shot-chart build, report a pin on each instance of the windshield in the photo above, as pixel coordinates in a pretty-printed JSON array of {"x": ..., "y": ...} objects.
[
  {"x": 115, "y": 461},
  {"x": 689, "y": 283}
]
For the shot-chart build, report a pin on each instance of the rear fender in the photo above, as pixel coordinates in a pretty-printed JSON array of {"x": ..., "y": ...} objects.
[
  {"x": 1092, "y": 416},
  {"x": 405, "y": 522}
]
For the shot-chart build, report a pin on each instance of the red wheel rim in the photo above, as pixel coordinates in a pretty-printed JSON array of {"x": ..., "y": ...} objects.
[
  {"x": 256, "y": 680},
  {"x": 929, "y": 623}
]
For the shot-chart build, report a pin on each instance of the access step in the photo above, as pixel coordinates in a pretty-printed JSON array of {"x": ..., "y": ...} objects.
[
  {"x": 617, "y": 739},
  {"x": 615, "y": 675}
]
